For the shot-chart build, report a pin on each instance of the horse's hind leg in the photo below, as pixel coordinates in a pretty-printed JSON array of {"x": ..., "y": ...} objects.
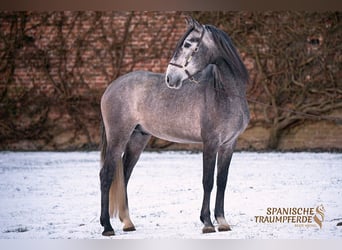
[
  {"x": 133, "y": 150},
  {"x": 110, "y": 166},
  {"x": 224, "y": 158},
  {"x": 113, "y": 195}
]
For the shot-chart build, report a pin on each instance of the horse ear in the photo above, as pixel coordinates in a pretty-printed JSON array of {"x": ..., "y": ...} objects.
[
  {"x": 191, "y": 22},
  {"x": 197, "y": 25}
]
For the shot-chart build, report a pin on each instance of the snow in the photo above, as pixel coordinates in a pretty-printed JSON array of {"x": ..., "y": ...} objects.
[{"x": 55, "y": 195}]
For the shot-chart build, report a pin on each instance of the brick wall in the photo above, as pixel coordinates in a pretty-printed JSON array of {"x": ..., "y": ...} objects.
[
  {"x": 59, "y": 64},
  {"x": 56, "y": 65}
]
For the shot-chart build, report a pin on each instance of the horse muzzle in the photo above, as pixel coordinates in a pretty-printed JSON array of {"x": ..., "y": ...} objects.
[{"x": 172, "y": 82}]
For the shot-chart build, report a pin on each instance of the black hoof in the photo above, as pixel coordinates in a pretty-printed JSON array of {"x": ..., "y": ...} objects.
[
  {"x": 108, "y": 233},
  {"x": 208, "y": 229}
]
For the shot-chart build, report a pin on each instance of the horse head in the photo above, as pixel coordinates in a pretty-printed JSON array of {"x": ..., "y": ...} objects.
[{"x": 190, "y": 55}]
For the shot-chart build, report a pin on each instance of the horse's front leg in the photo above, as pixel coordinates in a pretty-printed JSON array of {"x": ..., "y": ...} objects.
[
  {"x": 209, "y": 161},
  {"x": 224, "y": 157}
]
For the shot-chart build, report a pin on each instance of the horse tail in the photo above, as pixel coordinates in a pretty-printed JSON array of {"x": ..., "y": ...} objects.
[{"x": 117, "y": 191}]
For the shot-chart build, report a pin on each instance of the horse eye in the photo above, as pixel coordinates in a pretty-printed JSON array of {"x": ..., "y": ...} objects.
[{"x": 187, "y": 45}]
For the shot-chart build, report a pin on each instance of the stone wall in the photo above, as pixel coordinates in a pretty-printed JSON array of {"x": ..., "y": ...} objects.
[{"x": 56, "y": 65}]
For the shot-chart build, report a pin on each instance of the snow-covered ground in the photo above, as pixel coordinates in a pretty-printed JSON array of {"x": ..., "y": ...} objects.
[{"x": 48, "y": 195}]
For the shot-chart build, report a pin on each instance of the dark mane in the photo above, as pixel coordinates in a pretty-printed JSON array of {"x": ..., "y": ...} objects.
[{"x": 229, "y": 54}]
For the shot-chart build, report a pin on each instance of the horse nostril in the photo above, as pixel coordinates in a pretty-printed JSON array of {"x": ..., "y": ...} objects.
[{"x": 167, "y": 79}]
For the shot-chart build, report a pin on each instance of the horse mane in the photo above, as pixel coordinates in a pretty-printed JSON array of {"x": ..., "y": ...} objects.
[{"x": 229, "y": 54}]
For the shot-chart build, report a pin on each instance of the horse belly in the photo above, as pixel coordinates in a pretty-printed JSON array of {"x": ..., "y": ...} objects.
[
  {"x": 184, "y": 129},
  {"x": 177, "y": 137}
]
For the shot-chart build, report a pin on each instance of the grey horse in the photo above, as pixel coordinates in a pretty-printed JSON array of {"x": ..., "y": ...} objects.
[{"x": 200, "y": 99}]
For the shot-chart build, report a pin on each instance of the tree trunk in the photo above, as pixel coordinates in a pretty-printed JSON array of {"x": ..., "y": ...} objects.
[{"x": 273, "y": 140}]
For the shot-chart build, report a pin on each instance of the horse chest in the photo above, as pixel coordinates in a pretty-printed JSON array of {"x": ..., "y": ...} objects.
[{"x": 226, "y": 121}]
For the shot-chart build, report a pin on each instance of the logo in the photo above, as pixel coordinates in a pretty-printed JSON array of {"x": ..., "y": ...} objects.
[
  {"x": 299, "y": 216},
  {"x": 319, "y": 216}
]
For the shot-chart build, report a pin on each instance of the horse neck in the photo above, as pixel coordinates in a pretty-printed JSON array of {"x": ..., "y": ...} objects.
[{"x": 226, "y": 82}]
